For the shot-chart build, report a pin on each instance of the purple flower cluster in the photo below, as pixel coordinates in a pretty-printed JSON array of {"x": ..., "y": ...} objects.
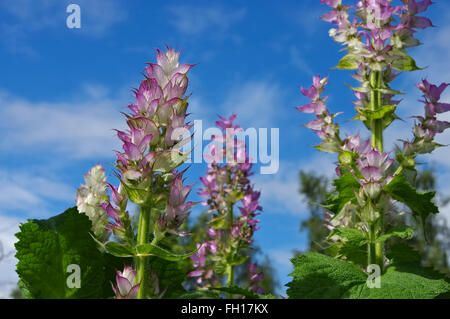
[
  {"x": 323, "y": 125},
  {"x": 255, "y": 278},
  {"x": 376, "y": 39},
  {"x": 150, "y": 154},
  {"x": 225, "y": 185},
  {"x": 428, "y": 126}
]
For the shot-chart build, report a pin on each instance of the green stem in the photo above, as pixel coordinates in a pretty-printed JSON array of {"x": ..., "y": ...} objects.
[
  {"x": 230, "y": 268},
  {"x": 375, "y": 250},
  {"x": 375, "y": 104},
  {"x": 141, "y": 261}
]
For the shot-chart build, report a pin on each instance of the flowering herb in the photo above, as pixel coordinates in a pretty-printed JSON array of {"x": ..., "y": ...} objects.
[
  {"x": 376, "y": 35},
  {"x": 225, "y": 186}
]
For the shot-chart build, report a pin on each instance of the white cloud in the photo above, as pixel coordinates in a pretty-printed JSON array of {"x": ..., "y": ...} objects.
[
  {"x": 196, "y": 19},
  {"x": 23, "y": 18},
  {"x": 280, "y": 192},
  {"x": 257, "y": 103},
  {"x": 29, "y": 193},
  {"x": 8, "y": 277},
  {"x": 298, "y": 61},
  {"x": 282, "y": 258},
  {"x": 78, "y": 129}
]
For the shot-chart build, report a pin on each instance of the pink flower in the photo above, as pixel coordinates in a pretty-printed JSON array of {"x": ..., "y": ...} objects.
[{"x": 126, "y": 287}]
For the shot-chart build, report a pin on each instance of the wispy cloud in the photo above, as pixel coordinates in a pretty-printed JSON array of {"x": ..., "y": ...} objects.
[
  {"x": 29, "y": 194},
  {"x": 257, "y": 103},
  {"x": 79, "y": 129},
  {"x": 197, "y": 19},
  {"x": 280, "y": 192},
  {"x": 24, "y": 18}
]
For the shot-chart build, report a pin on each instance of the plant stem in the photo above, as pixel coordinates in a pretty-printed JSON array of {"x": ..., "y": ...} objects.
[
  {"x": 375, "y": 250},
  {"x": 141, "y": 261},
  {"x": 230, "y": 268},
  {"x": 375, "y": 104}
]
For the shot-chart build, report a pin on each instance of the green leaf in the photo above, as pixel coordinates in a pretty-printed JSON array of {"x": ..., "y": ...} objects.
[
  {"x": 237, "y": 260},
  {"x": 345, "y": 186},
  {"x": 137, "y": 195},
  {"x": 167, "y": 161},
  {"x": 355, "y": 236},
  {"x": 327, "y": 147},
  {"x": 402, "y": 231},
  {"x": 388, "y": 91},
  {"x": 381, "y": 113},
  {"x": 404, "y": 62},
  {"x": 345, "y": 157},
  {"x": 47, "y": 247},
  {"x": 219, "y": 223},
  {"x": 320, "y": 276},
  {"x": 153, "y": 250},
  {"x": 120, "y": 250},
  {"x": 170, "y": 276},
  {"x": 420, "y": 203},
  {"x": 354, "y": 245},
  {"x": 199, "y": 294},
  {"x": 348, "y": 62}
]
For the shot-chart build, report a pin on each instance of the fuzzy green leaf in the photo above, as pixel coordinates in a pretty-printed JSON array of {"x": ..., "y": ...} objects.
[
  {"x": 327, "y": 147},
  {"x": 402, "y": 231},
  {"x": 354, "y": 245},
  {"x": 167, "y": 161},
  {"x": 170, "y": 276},
  {"x": 404, "y": 63},
  {"x": 320, "y": 276},
  {"x": 345, "y": 186},
  {"x": 420, "y": 203},
  {"x": 153, "y": 250},
  {"x": 137, "y": 195},
  {"x": 47, "y": 247},
  {"x": 348, "y": 62},
  {"x": 120, "y": 250}
]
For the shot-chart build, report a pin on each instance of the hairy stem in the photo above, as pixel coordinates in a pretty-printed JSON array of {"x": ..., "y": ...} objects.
[
  {"x": 375, "y": 250},
  {"x": 141, "y": 261},
  {"x": 230, "y": 268}
]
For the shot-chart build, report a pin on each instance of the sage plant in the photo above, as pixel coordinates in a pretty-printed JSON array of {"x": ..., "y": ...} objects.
[
  {"x": 376, "y": 35},
  {"x": 225, "y": 186},
  {"x": 146, "y": 168}
]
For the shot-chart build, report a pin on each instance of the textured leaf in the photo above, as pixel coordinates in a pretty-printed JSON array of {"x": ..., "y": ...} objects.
[
  {"x": 402, "y": 231},
  {"x": 345, "y": 187},
  {"x": 327, "y": 147},
  {"x": 47, "y": 247},
  {"x": 320, "y": 276},
  {"x": 420, "y": 203},
  {"x": 348, "y": 62},
  {"x": 137, "y": 195},
  {"x": 153, "y": 250},
  {"x": 167, "y": 161},
  {"x": 199, "y": 294},
  {"x": 120, "y": 250},
  {"x": 170, "y": 275},
  {"x": 404, "y": 63}
]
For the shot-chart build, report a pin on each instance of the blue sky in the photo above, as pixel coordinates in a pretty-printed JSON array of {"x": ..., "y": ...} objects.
[{"x": 62, "y": 90}]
